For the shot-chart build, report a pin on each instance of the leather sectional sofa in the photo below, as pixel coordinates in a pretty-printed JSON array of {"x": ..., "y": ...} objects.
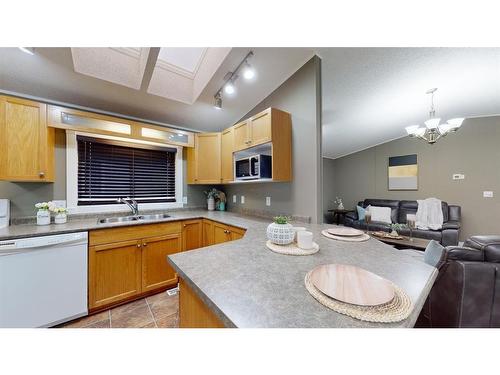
[
  {"x": 447, "y": 236},
  {"x": 466, "y": 292}
]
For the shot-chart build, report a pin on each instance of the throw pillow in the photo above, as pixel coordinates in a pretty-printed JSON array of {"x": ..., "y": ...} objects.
[
  {"x": 361, "y": 213},
  {"x": 433, "y": 253},
  {"x": 381, "y": 214}
]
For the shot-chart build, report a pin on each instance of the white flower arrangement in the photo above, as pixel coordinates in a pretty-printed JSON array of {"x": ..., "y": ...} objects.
[
  {"x": 59, "y": 210},
  {"x": 43, "y": 205}
]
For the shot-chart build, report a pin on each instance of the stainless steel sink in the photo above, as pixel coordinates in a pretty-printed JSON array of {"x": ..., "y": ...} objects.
[
  {"x": 154, "y": 217},
  {"x": 122, "y": 219}
]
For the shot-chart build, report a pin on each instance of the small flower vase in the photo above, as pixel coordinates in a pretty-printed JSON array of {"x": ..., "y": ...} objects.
[
  {"x": 61, "y": 218},
  {"x": 43, "y": 217},
  {"x": 340, "y": 206},
  {"x": 211, "y": 204},
  {"x": 222, "y": 206},
  {"x": 280, "y": 234}
]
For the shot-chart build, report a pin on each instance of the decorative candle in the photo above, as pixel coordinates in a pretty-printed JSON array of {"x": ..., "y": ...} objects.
[{"x": 305, "y": 239}]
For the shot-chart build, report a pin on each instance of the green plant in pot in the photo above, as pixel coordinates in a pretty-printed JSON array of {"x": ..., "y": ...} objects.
[
  {"x": 395, "y": 228},
  {"x": 280, "y": 232}
]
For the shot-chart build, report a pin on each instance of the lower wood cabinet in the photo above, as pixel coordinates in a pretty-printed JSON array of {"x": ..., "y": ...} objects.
[
  {"x": 156, "y": 271},
  {"x": 129, "y": 262},
  {"x": 114, "y": 272},
  {"x": 193, "y": 313},
  {"x": 192, "y": 234}
]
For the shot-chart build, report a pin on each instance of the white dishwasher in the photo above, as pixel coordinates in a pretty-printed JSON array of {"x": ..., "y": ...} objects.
[{"x": 43, "y": 280}]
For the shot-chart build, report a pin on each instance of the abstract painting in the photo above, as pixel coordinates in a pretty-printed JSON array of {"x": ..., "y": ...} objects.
[{"x": 403, "y": 172}]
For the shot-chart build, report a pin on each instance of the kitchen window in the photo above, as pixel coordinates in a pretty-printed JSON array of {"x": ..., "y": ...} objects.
[{"x": 100, "y": 170}]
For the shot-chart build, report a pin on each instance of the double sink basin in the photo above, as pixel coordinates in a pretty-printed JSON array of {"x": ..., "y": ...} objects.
[{"x": 123, "y": 219}]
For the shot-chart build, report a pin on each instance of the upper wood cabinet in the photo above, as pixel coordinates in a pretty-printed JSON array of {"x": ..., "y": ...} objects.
[
  {"x": 95, "y": 123},
  {"x": 204, "y": 160},
  {"x": 254, "y": 131},
  {"x": 241, "y": 135},
  {"x": 227, "y": 148},
  {"x": 26, "y": 141}
]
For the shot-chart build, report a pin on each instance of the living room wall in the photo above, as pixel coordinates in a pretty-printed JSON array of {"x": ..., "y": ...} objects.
[{"x": 473, "y": 151}]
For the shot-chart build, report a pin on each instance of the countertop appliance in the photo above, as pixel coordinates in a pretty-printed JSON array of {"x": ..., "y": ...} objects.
[
  {"x": 253, "y": 167},
  {"x": 4, "y": 213},
  {"x": 43, "y": 280}
]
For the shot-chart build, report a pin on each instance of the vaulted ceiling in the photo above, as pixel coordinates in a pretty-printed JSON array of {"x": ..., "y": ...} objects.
[{"x": 174, "y": 86}]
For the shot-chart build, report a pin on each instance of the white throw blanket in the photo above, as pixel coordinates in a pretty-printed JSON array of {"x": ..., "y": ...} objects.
[{"x": 429, "y": 214}]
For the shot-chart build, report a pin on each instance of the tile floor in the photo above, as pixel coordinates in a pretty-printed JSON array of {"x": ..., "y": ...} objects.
[{"x": 156, "y": 311}]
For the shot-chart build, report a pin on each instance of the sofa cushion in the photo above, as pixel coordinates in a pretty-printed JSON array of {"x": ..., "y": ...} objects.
[
  {"x": 373, "y": 226},
  {"x": 380, "y": 214},
  {"x": 422, "y": 233},
  {"x": 393, "y": 204},
  {"x": 490, "y": 245}
]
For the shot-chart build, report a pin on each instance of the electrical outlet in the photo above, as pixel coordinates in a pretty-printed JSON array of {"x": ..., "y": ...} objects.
[
  {"x": 184, "y": 200},
  {"x": 458, "y": 176},
  {"x": 234, "y": 198},
  {"x": 487, "y": 194},
  {"x": 242, "y": 199},
  {"x": 268, "y": 201}
]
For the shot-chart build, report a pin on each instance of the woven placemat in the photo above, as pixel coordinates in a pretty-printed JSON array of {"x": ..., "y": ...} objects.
[
  {"x": 292, "y": 249},
  {"x": 395, "y": 311},
  {"x": 362, "y": 238}
]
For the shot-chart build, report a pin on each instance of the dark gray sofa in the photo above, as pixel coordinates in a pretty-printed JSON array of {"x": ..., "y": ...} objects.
[{"x": 447, "y": 236}]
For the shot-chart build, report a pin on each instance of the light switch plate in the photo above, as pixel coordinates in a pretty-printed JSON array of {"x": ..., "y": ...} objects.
[
  {"x": 268, "y": 201},
  {"x": 184, "y": 200},
  {"x": 234, "y": 198},
  {"x": 487, "y": 194},
  {"x": 458, "y": 176},
  {"x": 242, "y": 199}
]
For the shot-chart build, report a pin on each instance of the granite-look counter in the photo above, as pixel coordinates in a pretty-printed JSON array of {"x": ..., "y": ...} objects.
[{"x": 247, "y": 285}]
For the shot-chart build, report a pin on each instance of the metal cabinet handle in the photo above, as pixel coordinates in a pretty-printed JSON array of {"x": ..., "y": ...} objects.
[
  {"x": 144, "y": 244},
  {"x": 41, "y": 174},
  {"x": 138, "y": 245}
]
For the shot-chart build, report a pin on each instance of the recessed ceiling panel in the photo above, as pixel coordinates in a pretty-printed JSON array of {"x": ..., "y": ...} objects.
[
  {"x": 123, "y": 66},
  {"x": 181, "y": 74}
]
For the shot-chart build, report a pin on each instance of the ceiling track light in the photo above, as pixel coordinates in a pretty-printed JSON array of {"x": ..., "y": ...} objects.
[
  {"x": 230, "y": 78},
  {"x": 433, "y": 130}
]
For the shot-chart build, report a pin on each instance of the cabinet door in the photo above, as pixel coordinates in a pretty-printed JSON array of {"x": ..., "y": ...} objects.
[
  {"x": 260, "y": 128},
  {"x": 27, "y": 144},
  {"x": 192, "y": 235},
  {"x": 236, "y": 233},
  {"x": 114, "y": 272},
  {"x": 227, "y": 155},
  {"x": 208, "y": 232},
  {"x": 156, "y": 271},
  {"x": 241, "y": 136},
  {"x": 221, "y": 233},
  {"x": 207, "y": 156}
]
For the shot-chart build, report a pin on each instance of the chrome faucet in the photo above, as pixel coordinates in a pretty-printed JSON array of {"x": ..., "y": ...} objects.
[{"x": 131, "y": 203}]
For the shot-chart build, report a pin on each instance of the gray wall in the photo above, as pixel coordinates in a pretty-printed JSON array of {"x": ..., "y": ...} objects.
[
  {"x": 329, "y": 192},
  {"x": 299, "y": 96},
  {"x": 24, "y": 195},
  {"x": 473, "y": 151}
]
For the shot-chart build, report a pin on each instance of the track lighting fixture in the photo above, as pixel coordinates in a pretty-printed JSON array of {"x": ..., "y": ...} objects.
[
  {"x": 218, "y": 101},
  {"x": 230, "y": 78}
]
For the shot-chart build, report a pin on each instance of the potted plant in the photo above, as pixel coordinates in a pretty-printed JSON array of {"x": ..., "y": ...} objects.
[
  {"x": 338, "y": 202},
  {"x": 395, "y": 228},
  {"x": 61, "y": 213},
  {"x": 280, "y": 232},
  {"x": 211, "y": 195},
  {"x": 42, "y": 214}
]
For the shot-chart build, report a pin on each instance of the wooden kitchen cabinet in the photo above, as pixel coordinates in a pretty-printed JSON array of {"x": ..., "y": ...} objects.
[
  {"x": 225, "y": 233},
  {"x": 241, "y": 135},
  {"x": 156, "y": 271},
  {"x": 260, "y": 128},
  {"x": 114, "y": 272},
  {"x": 227, "y": 147},
  {"x": 27, "y": 143},
  {"x": 192, "y": 234},
  {"x": 208, "y": 232},
  {"x": 204, "y": 160}
]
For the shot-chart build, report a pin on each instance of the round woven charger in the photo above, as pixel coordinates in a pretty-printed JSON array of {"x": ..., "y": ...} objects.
[
  {"x": 395, "y": 311},
  {"x": 362, "y": 238},
  {"x": 292, "y": 249}
]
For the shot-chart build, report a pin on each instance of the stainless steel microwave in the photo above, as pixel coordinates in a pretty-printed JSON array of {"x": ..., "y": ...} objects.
[{"x": 253, "y": 167}]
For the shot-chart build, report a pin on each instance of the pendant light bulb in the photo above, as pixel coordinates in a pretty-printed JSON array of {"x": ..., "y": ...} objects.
[
  {"x": 248, "y": 72},
  {"x": 229, "y": 88}
]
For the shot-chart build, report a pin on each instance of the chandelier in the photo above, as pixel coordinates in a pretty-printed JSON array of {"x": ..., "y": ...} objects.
[{"x": 433, "y": 130}]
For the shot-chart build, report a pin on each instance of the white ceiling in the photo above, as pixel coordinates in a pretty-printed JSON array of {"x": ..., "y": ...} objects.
[
  {"x": 187, "y": 58},
  {"x": 50, "y": 74},
  {"x": 371, "y": 94}
]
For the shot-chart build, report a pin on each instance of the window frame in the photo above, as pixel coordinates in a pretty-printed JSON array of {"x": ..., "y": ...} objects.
[{"x": 72, "y": 177}]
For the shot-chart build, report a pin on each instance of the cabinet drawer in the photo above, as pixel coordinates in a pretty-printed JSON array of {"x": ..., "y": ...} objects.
[{"x": 133, "y": 232}]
